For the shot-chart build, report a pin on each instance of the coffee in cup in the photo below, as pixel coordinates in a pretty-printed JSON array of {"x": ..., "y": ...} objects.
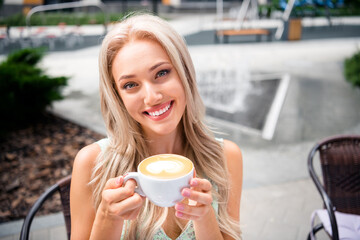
[
  {"x": 166, "y": 166},
  {"x": 162, "y": 177}
]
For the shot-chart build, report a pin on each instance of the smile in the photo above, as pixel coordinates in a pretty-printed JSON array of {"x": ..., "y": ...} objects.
[{"x": 160, "y": 111}]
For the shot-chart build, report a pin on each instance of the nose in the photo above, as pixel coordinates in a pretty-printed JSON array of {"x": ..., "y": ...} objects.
[{"x": 152, "y": 94}]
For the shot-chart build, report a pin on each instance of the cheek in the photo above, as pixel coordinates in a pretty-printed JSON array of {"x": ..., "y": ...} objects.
[
  {"x": 177, "y": 86},
  {"x": 132, "y": 105},
  {"x": 128, "y": 103},
  {"x": 181, "y": 92}
]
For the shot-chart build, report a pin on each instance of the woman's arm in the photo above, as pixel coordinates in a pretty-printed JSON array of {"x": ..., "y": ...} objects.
[
  {"x": 81, "y": 204},
  {"x": 235, "y": 168},
  {"x": 119, "y": 202},
  {"x": 203, "y": 215}
]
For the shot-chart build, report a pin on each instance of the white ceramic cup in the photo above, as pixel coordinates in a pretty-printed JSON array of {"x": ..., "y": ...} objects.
[{"x": 163, "y": 192}]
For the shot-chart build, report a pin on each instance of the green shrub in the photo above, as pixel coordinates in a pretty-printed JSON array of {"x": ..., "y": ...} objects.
[
  {"x": 54, "y": 18},
  {"x": 25, "y": 90},
  {"x": 352, "y": 69}
]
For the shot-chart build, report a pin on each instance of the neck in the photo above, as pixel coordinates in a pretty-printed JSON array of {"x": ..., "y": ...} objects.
[{"x": 171, "y": 143}]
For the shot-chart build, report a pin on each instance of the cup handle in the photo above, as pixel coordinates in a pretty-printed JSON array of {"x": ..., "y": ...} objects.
[{"x": 135, "y": 176}]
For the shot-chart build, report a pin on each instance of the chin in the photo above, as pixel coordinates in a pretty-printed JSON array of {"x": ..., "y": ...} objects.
[{"x": 163, "y": 131}]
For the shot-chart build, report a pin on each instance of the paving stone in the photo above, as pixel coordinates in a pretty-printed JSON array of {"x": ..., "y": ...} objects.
[
  {"x": 58, "y": 233},
  {"x": 288, "y": 205},
  {"x": 273, "y": 230},
  {"x": 40, "y": 234},
  {"x": 10, "y": 237}
]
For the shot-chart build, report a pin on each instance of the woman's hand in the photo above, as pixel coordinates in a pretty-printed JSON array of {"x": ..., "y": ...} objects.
[
  {"x": 199, "y": 192},
  {"x": 120, "y": 202}
]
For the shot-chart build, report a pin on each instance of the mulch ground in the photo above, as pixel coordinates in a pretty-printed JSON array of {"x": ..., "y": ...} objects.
[{"x": 34, "y": 158}]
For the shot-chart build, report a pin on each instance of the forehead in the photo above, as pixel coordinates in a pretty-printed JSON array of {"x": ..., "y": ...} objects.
[{"x": 138, "y": 51}]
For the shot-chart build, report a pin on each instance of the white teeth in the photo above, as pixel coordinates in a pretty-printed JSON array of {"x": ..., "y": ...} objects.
[{"x": 160, "y": 112}]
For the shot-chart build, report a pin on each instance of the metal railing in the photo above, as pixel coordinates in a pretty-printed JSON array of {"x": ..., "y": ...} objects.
[{"x": 59, "y": 6}]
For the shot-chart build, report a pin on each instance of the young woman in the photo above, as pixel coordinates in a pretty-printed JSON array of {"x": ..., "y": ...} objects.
[{"x": 151, "y": 105}]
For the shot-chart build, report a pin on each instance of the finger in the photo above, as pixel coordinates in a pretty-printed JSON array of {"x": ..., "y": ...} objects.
[
  {"x": 200, "y": 197},
  {"x": 125, "y": 192},
  {"x": 191, "y": 210},
  {"x": 186, "y": 216},
  {"x": 133, "y": 214},
  {"x": 131, "y": 184},
  {"x": 113, "y": 183},
  {"x": 113, "y": 195},
  {"x": 201, "y": 184},
  {"x": 129, "y": 204}
]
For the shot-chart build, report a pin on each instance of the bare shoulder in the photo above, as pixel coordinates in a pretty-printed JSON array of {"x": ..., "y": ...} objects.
[
  {"x": 233, "y": 154},
  {"x": 86, "y": 157},
  {"x": 81, "y": 206},
  {"x": 234, "y": 161},
  {"x": 81, "y": 175},
  {"x": 84, "y": 163}
]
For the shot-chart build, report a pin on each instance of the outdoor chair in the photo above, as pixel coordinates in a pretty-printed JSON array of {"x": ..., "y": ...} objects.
[
  {"x": 63, "y": 187},
  {"x": 340, "y": 190}
]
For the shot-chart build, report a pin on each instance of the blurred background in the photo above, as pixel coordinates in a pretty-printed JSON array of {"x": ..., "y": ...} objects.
[{"x": 276, "y": 77}]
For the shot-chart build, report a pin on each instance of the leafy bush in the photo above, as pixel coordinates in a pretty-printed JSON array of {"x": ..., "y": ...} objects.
[
  {"x": 317, "y": 8},
  {"x": 352, "y": 69},
  {"x": 54, "y": 18},
  {"x": 25, "y": 90}
]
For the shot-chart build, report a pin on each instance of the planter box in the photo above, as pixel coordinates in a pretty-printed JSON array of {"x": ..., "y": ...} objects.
[{"x": 294, "y": 32}]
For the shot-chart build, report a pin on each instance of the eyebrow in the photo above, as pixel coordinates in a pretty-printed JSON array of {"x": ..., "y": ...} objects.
[
  {"x": 126, "y": 77},
  {"x": 157, "y": 65},
  {"x": 150, "y": 70}
]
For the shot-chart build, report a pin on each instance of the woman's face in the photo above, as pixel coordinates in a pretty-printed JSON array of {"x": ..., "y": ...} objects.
[{"x": 149, "y": 86}]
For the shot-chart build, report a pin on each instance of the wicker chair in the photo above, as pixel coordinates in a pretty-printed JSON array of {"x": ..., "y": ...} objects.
[
  {"x": 63, "y": 187},
  {"x": 340, "y": 165}
]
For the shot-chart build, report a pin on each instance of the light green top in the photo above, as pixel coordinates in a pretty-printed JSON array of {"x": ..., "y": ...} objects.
[{"x": 188, "y": 233}]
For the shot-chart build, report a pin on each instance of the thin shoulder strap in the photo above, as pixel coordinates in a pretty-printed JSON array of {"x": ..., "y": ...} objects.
[
  {"x": 103, "y": 143},
  {"x": 220, "y": 140}
]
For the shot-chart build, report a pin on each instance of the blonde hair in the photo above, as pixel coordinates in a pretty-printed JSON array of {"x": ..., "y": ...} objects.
[{"x": 128, "y": 147}]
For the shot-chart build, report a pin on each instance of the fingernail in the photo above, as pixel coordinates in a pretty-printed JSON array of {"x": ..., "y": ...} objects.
[
  {"x": 179, "y": 207},
  {"x": 179, "y": 214},
  {"x": 119, "y": 180},
  {"x": 186, "y": 193},
  {"x": 194, "y": 182}
]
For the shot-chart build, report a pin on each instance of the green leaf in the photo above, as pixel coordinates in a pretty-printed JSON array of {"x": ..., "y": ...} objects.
[
  {"x": 25, "y": 90},
  {"x": 352, "y": 69}
]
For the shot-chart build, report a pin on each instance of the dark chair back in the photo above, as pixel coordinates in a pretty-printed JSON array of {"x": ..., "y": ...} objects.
[
  {"x": 64, "y": 190},
  {"x": 63, "y": 187},
  {"x": 340, "y": 164}
]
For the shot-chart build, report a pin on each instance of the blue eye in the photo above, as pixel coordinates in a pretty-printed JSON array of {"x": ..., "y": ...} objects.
[
  {"x": 129, "y": 85},
  {"x": 162, "y": 73}
]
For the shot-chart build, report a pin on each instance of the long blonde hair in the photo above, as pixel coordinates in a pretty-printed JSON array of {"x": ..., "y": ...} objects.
[{"x": 128, "y": 147}]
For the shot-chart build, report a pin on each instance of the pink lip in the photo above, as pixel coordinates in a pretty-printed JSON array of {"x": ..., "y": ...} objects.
[{"x": 157, "y": 108}]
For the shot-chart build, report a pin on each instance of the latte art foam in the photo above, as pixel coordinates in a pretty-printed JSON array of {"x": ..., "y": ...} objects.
[{"x": 166, "y": 166}]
